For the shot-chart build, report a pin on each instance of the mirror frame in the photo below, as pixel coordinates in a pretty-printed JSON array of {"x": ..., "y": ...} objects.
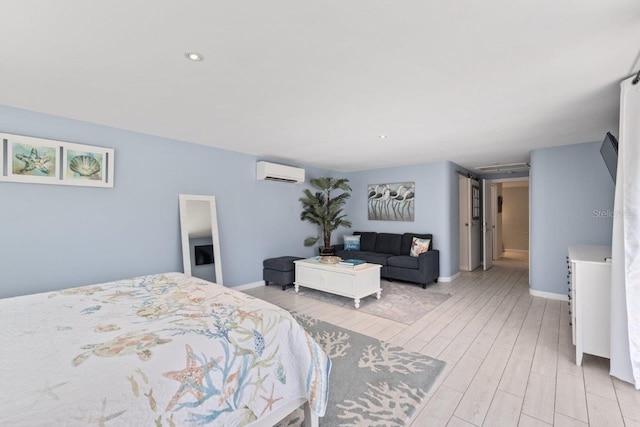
[{"x": 186, "y": 255}]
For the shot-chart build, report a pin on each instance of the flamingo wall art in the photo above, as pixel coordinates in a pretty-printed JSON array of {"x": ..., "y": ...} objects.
[{"x": 391, "y": 202}]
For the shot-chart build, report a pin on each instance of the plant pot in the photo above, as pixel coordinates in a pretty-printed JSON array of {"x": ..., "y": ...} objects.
[{"x": 327, "y": 251}]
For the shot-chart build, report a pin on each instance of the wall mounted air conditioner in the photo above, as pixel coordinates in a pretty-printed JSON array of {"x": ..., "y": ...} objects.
[{"x": 275, "y": 172}]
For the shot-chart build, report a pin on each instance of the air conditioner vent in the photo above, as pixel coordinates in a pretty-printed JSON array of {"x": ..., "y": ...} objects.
[
  {"x": 273, "y": 178},
  {"x": 505, "y": 168}
]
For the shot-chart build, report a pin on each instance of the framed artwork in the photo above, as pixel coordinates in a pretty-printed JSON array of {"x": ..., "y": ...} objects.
[
  {"x": 475, "y": 198},
  {"x": 391, "y": 202},
  {"x": 500, "y": 201},
  {"x": 87, "y": 166},
  {"x": 32, "y": 160},
  {"x": 43, "y": 161}
]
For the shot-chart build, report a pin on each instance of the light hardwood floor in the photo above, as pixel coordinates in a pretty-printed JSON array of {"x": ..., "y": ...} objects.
[{"x": 510, "y": 360}]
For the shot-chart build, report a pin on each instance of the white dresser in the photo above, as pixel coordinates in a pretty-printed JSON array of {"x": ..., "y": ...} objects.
[{"x": 589, "y": 299}]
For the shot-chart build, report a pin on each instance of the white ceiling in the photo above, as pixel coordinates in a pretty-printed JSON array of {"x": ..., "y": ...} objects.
[{"x": 475, "y": 82}]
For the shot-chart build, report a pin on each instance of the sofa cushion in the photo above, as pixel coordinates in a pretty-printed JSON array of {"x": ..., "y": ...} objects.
[
  {"x": 371, "y": 257},
  {"x": 407, "y": 240},
  {"x": 403, "y": 261},
  {"x": 367, "y": 240},
  {"x": 351, "y": 243},
  {"x": 419, "y": 246},
  {"x": 387, "y": 243}
]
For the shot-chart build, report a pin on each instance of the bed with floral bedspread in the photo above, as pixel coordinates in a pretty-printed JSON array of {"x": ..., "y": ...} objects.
[{"x": 164, "y": 350}]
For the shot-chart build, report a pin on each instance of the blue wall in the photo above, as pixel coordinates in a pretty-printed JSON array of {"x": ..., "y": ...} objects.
[
  {"x": 571, "y": 203},
  {"x": 436, "y": 206},
  {"x": 54, "y": 237}
]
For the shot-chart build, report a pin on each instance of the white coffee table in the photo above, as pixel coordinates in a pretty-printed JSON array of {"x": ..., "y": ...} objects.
[{"x": 353, "y": 282}]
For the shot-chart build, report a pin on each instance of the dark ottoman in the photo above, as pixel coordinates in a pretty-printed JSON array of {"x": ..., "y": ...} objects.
[{"x": 280, "y": 271}]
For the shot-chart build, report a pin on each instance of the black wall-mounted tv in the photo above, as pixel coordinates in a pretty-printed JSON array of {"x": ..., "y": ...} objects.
[
  {"x": 609, "y": 152},
  {"x": 204, "y": 254}
]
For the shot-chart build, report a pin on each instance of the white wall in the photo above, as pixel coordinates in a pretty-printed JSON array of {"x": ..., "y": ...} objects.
[{"x": 515, "y": 218}]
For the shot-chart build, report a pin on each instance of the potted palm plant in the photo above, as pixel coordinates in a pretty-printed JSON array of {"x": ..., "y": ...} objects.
[{"x": 325, "y": 209}]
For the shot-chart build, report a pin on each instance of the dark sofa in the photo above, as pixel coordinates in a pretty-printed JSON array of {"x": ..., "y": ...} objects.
[{"x": 392, "y": 252}]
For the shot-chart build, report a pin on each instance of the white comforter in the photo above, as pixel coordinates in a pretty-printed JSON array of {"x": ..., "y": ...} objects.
[{"x": 156, "y": 350}]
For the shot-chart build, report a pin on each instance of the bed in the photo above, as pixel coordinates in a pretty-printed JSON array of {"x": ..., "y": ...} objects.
[{"x": 165, "y": 349}]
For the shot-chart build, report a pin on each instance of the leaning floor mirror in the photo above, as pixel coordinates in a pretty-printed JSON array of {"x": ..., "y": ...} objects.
[{"x": 200, "y": 242}]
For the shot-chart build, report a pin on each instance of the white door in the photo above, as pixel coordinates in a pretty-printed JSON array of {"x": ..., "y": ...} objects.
[
  {"x": 487, "y": 225},
  {"x": 496, "y": 197},
  {"x": 475, "y": 237},
  {"x": 465, "y": 219}
]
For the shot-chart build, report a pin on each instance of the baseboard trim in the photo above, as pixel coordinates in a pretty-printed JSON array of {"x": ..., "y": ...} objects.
[
  {"x": 449, "y": 278},
  {"x": 522, "y": 251},
  {"x": 548, "y": 295},
  {"x": 248, "y": 286}
]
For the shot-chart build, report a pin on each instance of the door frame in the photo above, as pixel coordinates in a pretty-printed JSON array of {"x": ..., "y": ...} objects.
[
  {"x": 487, "y": 226},
  {"x": 494, "y": 216},
  {"x": 475, "y": 228},
  {"x": 464, "y": 219},
  {"x": 470, "y": 254},
  {"x": 494, "y": 207}
]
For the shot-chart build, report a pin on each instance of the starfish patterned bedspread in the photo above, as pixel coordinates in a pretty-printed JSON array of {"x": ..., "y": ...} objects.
[{"x": 164, "y": 350}]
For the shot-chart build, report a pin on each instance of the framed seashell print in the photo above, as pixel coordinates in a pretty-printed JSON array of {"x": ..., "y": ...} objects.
[{"x": 87, "y": 165}]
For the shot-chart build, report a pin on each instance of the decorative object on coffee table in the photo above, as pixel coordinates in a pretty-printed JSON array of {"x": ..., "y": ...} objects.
[
  {"x": 327, "y": 259},
  {"x": 325, "y": 211}
]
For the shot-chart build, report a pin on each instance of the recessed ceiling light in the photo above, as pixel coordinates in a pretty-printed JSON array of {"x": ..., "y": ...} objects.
[
  {"x": 194, "y": 56},
  {"x": 382, "y": 136}
]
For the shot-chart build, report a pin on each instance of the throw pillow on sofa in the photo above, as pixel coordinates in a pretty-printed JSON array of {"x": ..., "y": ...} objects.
[
  {"x": 351, "y": 243},
  {"x": 419, "y": 246}
]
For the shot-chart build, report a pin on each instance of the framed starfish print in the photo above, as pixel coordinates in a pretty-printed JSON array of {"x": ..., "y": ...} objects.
[{"x": 33, "y": 160}]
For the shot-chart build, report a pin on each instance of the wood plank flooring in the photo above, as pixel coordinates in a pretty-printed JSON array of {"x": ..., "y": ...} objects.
[{"x": 510, "y": 360}]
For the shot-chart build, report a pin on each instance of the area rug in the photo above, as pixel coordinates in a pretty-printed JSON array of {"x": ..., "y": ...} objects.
[
  {"x": 402, "y": 302},
  {"x": 372, "y": 382}
]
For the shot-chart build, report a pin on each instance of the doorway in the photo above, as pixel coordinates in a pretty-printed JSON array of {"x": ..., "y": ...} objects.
[
  {"x": 515, "y": 221},
  {"x": 469, "y": 223},
  {"x": 507, "y": 223}
]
